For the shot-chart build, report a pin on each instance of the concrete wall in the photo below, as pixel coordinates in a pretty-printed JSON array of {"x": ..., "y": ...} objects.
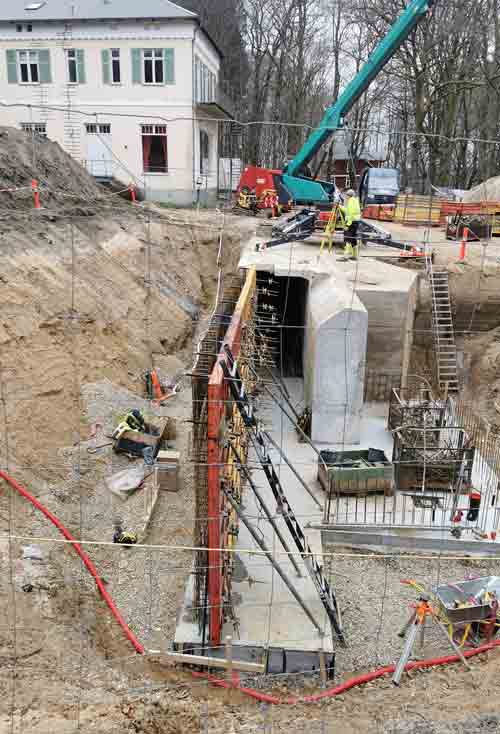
[
  {"x": 390, "y": 331},
  {"x": 334, "y": 361},
  {"x": 65, "y": 108}
]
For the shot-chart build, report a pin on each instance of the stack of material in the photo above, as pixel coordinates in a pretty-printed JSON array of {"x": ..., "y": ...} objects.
[{"x": 418, "y": 210}]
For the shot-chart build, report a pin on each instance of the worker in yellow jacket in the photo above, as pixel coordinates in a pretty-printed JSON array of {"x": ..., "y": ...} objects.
[{"x": 352, "y": 214}]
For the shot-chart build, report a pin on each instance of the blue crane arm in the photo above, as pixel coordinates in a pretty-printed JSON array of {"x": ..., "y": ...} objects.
[{"x": 333, "y": 118}]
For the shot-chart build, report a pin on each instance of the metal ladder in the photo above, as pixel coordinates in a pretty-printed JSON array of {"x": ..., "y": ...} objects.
[
  {"x": 442, "y": 330},
  {"x": 72, "y": 136}
]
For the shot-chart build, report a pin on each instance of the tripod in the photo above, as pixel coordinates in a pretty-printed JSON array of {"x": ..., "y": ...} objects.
[{"x": 416, "y": 625}]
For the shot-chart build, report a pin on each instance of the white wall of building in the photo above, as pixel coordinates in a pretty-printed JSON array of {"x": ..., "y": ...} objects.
[{"x": 65, "y": 108}]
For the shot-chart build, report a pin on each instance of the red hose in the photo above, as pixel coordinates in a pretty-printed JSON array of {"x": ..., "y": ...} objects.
[
  {"x": 86, "y": 560},
  {"x": 352, "y": 682}
]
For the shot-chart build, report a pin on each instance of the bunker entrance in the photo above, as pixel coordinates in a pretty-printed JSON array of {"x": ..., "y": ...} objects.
[{"x": 291, "y": 313}]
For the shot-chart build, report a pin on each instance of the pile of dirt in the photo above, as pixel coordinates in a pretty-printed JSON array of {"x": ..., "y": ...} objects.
[
  {"x": 488, "y": 190},
  {"x": 483, "y": 362},
  {"x": 62, "y": 181}
]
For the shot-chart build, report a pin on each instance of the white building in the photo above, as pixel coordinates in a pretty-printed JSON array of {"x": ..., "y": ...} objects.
[{"x": 129, "y": 88}]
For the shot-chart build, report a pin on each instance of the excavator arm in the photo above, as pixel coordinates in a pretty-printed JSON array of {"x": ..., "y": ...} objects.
[{"x": 305, "y": 190}]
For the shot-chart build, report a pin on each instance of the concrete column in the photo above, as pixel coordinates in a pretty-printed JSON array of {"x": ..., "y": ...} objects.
[{"x": 334, "y": 362}]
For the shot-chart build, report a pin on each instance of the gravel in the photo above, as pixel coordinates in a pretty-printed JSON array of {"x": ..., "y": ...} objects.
[{"x": 375, "y": 604}]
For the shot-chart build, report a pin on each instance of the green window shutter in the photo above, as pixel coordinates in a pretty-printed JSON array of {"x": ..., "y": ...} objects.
[
  {"x": 11, "y": 66},
  {"x": 44, "y": 64},
  {"x": 136, "y": 66},
  {"x": 168, "y": 66},
  {"x": 80, "y": 61},
  {"x": 106, "y": 65}
]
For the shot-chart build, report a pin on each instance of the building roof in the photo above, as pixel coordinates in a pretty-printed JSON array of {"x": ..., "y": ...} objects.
[{"x": 29, "y": 10}]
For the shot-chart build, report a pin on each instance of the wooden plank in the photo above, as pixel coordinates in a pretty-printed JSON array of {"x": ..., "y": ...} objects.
[
  {"x": 179, "y": 657},
  {"x": 322, "y": 668}
]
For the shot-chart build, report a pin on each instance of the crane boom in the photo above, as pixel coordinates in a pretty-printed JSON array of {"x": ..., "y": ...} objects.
[{"x": 303, "y": 189}]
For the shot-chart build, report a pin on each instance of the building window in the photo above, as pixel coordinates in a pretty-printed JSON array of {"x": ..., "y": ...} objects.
[
  {"x": 116, "y": 75},
  {"x": 205, "y": 82},
  {"x": 72, "y": 66},
  {"x": 35, "y": 128},
  {"x": 19, "y": 28},
  {"x": 204, "y": 152},
  {"x": 29, "y": 28},
  {"x": 76, "y": 66},
  {"x": 94, "y": 128},
  {"x": 29, "y": 72},
  {"x": 153, "y": 66},
  {"x": 26, "y": 66},
  {"x": 154, "y": 148}
]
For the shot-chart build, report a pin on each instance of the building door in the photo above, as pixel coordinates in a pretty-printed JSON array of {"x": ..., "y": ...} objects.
[{"x": 99, "y": 150}]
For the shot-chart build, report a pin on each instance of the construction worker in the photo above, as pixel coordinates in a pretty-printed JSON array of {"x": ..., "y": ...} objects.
[{"x": 352, "y": 214}]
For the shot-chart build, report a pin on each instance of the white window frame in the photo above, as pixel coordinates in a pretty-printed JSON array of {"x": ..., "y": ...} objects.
[
  {"x": 28, "y": 54},
  {"x": 72, "y": 58},
  {"x": 155, "y": 131},
  {"x": 98, "y": 128},
  {"x": 152, "y": 54},
  {"x": 115, "y": 56},
  {"x": 35, "y": 128}
]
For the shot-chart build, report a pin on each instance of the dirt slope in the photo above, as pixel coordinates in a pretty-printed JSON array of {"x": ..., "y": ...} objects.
[{"x": 93, "y": 291}]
